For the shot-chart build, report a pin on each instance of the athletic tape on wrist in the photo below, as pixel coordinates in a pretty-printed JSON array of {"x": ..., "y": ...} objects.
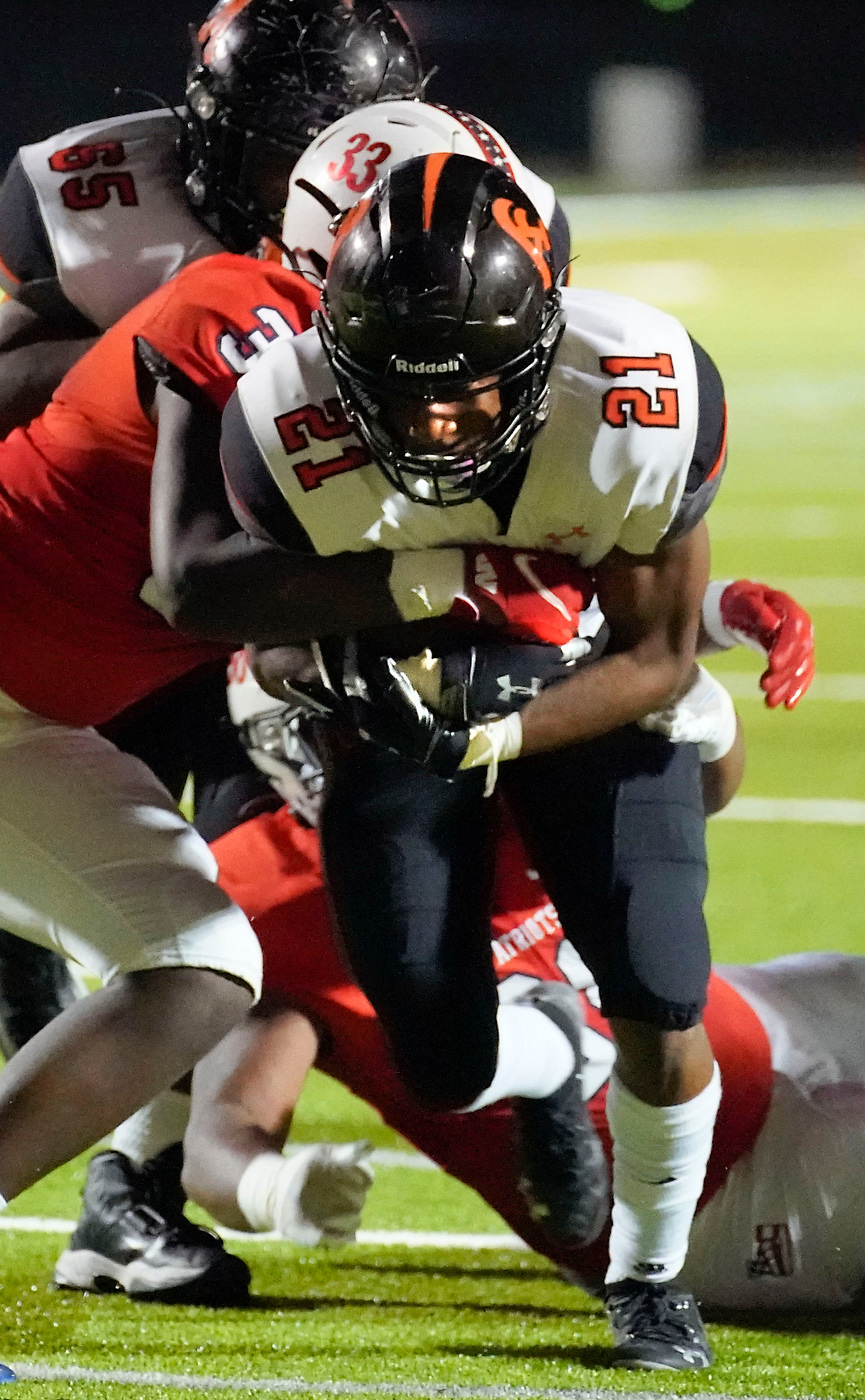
[{"x": 494, "y": 743}]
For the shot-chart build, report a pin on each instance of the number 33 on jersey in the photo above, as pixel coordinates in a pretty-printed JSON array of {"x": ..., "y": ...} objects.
[{"x": 631, "y": 454}]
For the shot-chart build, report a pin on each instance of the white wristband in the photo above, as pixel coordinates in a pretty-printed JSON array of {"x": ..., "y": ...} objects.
[
  {"x": 424, "y": 582},
  {"x": 494, "y": 743},
  {"x": 723, "y": 636}
]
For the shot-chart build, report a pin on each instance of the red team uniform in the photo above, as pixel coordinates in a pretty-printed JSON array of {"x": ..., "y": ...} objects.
[
  {"x": 75, "y": 494},
  {"x": 270, "y": 866}
]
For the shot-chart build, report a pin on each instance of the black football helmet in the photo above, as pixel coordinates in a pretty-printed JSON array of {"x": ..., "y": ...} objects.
[
  {"x": 267, "y": 76},
  {"x": 441, "y": 286}
]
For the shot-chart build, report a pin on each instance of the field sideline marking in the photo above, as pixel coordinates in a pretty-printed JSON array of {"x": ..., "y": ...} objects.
[
  {"x": 412, "y": 1239},
  {"x": 843, "y": 686},
  {"x": 295, "y": 1386},
  {"x": 820, "y": 810}
]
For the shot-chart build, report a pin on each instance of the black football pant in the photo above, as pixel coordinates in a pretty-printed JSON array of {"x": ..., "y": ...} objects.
[{"x": 616, "y": 828}]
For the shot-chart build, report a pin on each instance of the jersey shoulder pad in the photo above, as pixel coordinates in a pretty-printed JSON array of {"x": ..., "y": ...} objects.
[
  {"x": 216, "y": 319},
  {"x": 624, "y": 384},
  {"x": 710, "y": 449},
  {"x": 111, "y": 200},
  {"x": 283, "y": 432}
]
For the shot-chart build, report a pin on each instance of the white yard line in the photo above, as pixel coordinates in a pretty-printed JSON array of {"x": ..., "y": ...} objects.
[
  {"x": 836, "y": 686},
  {"x": 296, "y": 1386},
  {"x": 815, "y": 592},
  {"x": 820, "y": 810},
  {"x": 412, "y": 1239}
]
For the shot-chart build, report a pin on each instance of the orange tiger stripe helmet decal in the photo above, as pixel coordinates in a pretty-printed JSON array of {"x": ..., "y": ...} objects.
[
  {"x": 532, "y": 238},
  {"x": 435, "y": 164}
]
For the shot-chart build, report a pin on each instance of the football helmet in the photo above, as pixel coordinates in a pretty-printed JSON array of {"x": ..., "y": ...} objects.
[
  {"x": 345, "y": 161},
  {"x": 441, "y": 306},
  {"x": 266, "y": 77},
  {"x": 276, "y": 737}
]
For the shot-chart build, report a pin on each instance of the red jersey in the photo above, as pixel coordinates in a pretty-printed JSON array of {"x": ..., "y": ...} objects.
[
  {"x": 79, "y": 644},
  {"x": 270, "y": 866}
]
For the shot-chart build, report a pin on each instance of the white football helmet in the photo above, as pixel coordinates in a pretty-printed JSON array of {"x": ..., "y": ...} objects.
[
  {"x": 346, "y": 160},
  {"x": 273, "y": 735}
]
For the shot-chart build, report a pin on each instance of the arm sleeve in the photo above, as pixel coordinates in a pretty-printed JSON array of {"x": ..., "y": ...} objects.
[
  {"x": 27, "y": 268},
  {"x": 710, "y": 450}
]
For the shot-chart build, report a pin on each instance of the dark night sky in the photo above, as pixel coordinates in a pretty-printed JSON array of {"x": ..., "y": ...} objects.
[{"x": 783, "y": 88}]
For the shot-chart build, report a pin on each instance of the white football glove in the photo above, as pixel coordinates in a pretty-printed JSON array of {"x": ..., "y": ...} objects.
[
  {"x": 315, "y": 1196},
  {"x": 704, "y": 716}
]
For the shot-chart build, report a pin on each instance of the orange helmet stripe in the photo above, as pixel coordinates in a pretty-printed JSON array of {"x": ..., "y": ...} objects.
[{"x": 432, "y": 174}]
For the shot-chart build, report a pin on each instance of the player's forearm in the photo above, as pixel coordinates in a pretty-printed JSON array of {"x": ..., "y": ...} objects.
[
  {"x": 617, "y": 690},
  {"x": 242, "y": 590},
  {"x": 653, "y": 608}
]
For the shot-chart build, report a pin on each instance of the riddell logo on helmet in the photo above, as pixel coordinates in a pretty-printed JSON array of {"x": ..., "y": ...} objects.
[{"x": 427, "y": 366}]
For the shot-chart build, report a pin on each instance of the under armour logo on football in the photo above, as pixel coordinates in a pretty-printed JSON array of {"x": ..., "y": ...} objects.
[
  {"x": 507, "y": 690},
  {"x": 772, "y": 1253}
]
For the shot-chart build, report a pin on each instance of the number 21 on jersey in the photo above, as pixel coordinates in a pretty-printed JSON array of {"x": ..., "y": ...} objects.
[
  {"x": 324, "y": 422},
  {"x": 630, "y": 402}
]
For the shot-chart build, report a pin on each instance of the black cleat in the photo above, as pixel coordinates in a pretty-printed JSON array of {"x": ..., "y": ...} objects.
[
  {"x": 563, "y": 1172},
  {"x": 133, "y": 1238},
  {"x": 656, "y": 1327}
]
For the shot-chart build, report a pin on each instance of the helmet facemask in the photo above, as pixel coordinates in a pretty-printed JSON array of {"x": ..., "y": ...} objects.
[
  {"x": 441, "y": 293},
  {"x": 442, "y": 476}
]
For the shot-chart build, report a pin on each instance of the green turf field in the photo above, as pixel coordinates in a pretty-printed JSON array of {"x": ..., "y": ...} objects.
[{"x": 773, "y": 284}]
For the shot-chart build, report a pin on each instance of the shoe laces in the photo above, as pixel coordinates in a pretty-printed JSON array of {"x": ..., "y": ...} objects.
[
  {"x": 180, "y": 1231},
  {"x": 653, "y": 1311}
]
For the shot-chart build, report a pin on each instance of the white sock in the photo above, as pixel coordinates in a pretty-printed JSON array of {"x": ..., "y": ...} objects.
[
  {"x": 156, "y": 1125},
  {"x": 659, "y": 1162},
  {"x": 535, "y": 1057}
]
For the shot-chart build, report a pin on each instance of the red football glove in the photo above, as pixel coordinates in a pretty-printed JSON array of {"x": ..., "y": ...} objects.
[
  {"x": 535, "y": 596},
  {"x": 754, "y": 613}
]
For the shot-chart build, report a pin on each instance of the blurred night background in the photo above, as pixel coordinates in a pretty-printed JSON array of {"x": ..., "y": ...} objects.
[{"x": 779, "y": 85}]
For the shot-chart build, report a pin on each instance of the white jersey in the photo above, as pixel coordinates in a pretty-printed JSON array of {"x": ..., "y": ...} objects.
[
  {"x": 106, "y": 206},
  {"x": 610, "y": 466},
  {"x": 787, "y": 1229}
]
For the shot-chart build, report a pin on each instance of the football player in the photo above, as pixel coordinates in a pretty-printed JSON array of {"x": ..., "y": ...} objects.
[
  {"x": 96, "y": 860},
  {"x": 487, "y": 405}
]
